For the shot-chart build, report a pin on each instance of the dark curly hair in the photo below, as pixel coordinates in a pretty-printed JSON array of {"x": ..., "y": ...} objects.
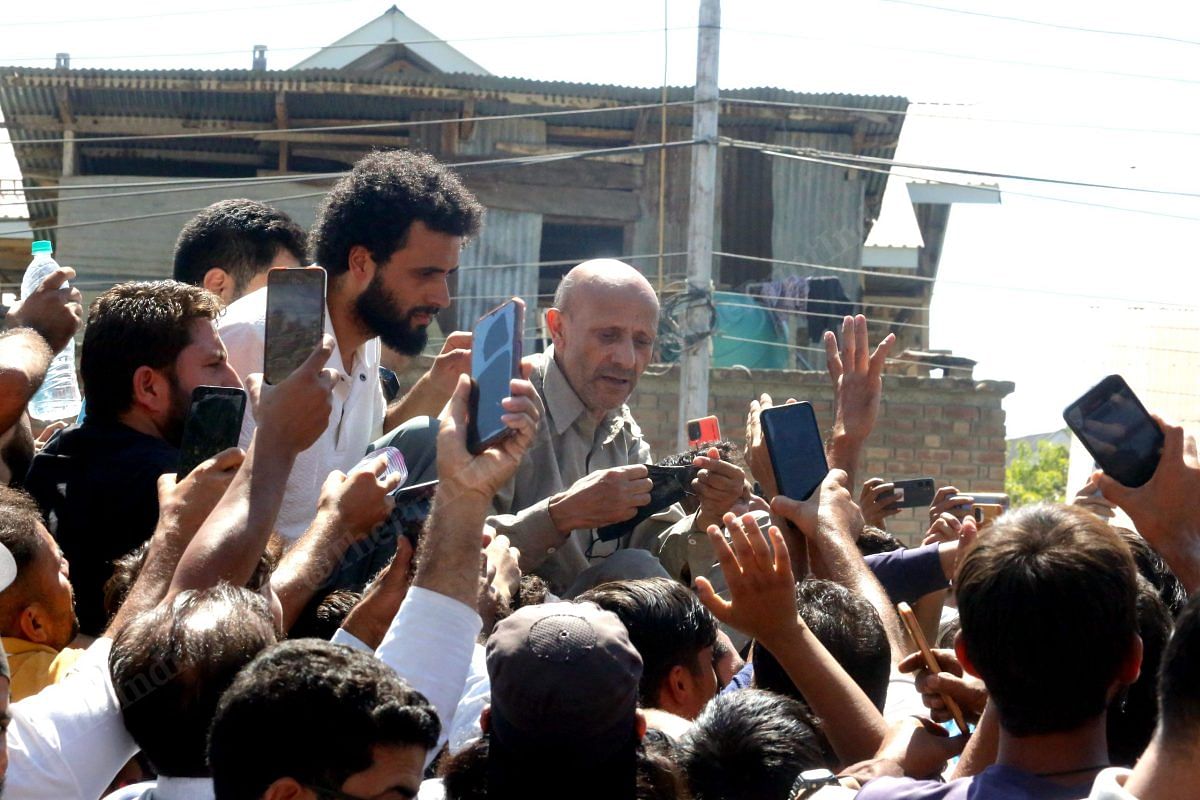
[{"x": 376, "y": 204}]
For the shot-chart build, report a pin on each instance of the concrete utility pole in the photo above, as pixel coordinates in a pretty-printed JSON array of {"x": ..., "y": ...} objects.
[{"x": 694, "y": 360}]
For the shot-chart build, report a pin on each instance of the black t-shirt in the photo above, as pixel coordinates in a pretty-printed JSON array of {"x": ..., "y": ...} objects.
[{"x": 97, "y": 485}]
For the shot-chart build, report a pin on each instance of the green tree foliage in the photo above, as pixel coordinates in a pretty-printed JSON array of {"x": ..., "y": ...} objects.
[{"x": 1037, "y": 473}]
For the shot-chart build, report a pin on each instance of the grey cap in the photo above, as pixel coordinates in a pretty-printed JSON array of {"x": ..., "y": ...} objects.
[{"x": 564, "y": 679}]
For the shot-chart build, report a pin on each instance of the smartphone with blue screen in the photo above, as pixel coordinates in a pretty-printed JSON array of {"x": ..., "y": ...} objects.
[
  {"x": 796, "y": 449},
  {"x": 495, "y": 361}
]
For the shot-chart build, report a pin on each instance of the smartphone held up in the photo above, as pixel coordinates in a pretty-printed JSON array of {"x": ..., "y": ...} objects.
[
  {"x": 295, "y": 319},
  {"x": 1117, "y": 430},
  {"x": 214, "y": 424},
  {"x": 495, "y": 362},
  {"x": 796, "y": 449}
]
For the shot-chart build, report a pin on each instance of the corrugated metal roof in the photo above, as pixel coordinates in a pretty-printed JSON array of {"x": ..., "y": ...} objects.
[{"x": 248, "y": 96}]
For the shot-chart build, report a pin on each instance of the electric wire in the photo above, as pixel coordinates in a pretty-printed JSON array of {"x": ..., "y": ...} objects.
[{"x": 1046, "y": 24}]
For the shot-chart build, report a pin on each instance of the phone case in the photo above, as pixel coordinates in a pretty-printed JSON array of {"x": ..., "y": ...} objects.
[
  {"x": 705, "y": 429},
  {"x": 1122, "y": 459},
  {"x": 213, "y": 424},
  {"x": 286, "y": 344},
  {"x": 918, "y": 493},
  {"x": 794, "y": 414},
  {"x": 478, "y": 441}
]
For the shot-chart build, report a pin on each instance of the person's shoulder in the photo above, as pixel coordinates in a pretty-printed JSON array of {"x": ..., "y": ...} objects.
[
  {"x": 248, "y": 311},
  {"x": 913, "y": 789}
]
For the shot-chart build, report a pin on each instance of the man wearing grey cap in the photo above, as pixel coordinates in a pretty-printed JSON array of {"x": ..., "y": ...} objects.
[{"x": 564, "y": 716}]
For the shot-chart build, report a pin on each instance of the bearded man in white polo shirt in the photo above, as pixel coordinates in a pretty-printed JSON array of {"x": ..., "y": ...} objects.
[{"x": 388, "y": 235}]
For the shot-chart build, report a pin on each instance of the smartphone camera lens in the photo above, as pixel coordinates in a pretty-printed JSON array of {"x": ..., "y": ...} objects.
[{"x": 693, "y": 430}]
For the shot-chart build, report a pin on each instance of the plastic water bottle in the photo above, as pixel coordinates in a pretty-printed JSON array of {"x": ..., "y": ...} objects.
[{"x": 59, "y": 396}]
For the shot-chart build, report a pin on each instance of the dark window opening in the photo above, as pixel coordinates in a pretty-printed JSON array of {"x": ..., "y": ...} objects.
[{"x": 574, "y": 242}]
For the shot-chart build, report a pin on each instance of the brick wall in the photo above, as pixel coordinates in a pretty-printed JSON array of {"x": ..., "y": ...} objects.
[{"x": 949, "y": 428}]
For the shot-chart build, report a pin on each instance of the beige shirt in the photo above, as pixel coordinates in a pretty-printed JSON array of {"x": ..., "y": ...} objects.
[
  {"x": 569, "y": 445},
  {"x": 355, "y": 420}
]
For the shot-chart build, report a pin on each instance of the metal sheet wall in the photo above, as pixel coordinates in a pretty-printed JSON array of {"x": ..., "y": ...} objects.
[
  {"x": 142, "y": 249},
  {"x": 818, "y": 211},
  {"x": 508, "y": 237}
]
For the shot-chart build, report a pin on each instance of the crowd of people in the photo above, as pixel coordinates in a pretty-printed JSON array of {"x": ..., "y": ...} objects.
[{"x": 217, "y": 635}]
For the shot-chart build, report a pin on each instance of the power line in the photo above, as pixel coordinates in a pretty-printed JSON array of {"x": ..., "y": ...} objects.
[
  {"x": 891, "y": 162},
  {"x": 516, "y": 161},
  {"x": 353, "y": 127},
  {"x": 766, "y": 150},
  {"x": 969, "y": 284},
  {"x": 1045, "y": 24},
  {"x": 969, "y": 57}
]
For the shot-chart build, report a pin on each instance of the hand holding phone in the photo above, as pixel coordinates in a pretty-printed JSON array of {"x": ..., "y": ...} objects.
[
  {"x": 911, "y": 493},
  {"x": 796, "y": 449},
  {"x": 413, "y": 504},
  {"x": 918, "y": 636},
  {"x": 295, "y": 319},
  {"x": 214, "y": 424},
  {"x": 495, "y": 362},
  {"x": 1117, "y": 430}
]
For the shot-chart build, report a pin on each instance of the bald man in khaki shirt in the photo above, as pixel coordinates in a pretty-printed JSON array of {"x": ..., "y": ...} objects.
[{"x": 586, "y": 468}]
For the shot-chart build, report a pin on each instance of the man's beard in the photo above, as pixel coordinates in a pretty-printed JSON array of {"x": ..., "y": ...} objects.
[
  {"x": 382, "y": 315},
  {"x": 181, "y": 403}
]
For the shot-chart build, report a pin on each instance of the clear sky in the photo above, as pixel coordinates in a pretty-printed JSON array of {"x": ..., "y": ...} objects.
[{"x": 1022, "y": 286}]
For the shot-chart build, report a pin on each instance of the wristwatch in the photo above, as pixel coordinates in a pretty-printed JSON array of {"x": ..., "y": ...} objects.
[{"x": 810, "y": 781}]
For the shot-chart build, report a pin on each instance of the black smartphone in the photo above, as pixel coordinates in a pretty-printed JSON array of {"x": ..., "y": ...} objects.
[
  {"x": 796, "y": 449},
  {"x": 495, "y": 361},
  {"x": 1117, "y": 430},
  {"x": 412, "y": 509},
  {"x": 670, "y": 485},
  {"x": 214, "y": 423},
  {"x": 917, "y": 493},
  {"x": 295, "y": 319}
]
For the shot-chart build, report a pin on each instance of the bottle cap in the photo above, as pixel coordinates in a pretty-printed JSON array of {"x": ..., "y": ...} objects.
[{"x": 43, "y": 246}]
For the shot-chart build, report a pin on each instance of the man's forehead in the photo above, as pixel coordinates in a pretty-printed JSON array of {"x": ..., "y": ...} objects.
[{"x": 616, "y": 304}]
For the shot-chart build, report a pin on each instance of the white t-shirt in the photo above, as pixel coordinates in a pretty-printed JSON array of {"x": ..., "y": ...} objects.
[
  {"x": 69, "y": 741},
  {"x": 1110, "y": 785},
  {"x": 354, "y": 422}
]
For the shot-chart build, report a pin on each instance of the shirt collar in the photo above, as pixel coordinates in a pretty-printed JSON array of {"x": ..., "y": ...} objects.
[
  {"x": 566, "y": 409},
  {"x": 169, "y": 788}
]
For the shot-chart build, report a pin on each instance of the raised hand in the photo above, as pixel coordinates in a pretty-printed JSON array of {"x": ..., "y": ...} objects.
[
  {"x": 762, "y": 588},
  {"x": 876, "y": 501},
  {"x": 757, "y": 457},
  {"x": 459, "y": 471},
  {"x": 454, "y": 360},
  {"x": 948, "y": 500},
  {"x": 187, "y": 502},
  {"x": 856, "y": 374},
  {"x": 1162, "y": 509},
  {"x": 54, "y": 312},
  {"x": 293, "y": 414}
]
